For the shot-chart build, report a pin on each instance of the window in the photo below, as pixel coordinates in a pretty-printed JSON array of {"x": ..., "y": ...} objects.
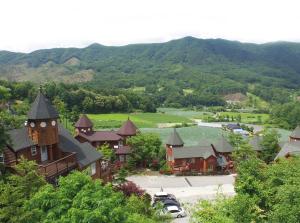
[
  {"x": 43, "y": 124},
  {"x": 33, "y": 150},
  {"x": 120, "y": 143},
  {"x": 122, "y": 158},
  {"x": 93, "y": 168},
  {"x": 1, "y": 158}
]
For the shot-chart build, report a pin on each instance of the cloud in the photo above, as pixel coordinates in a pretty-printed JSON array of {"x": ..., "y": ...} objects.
[{"x": 33, "y": 24}]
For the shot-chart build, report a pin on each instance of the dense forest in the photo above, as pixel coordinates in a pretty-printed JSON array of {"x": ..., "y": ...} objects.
[{"x": 181, "y": 72}]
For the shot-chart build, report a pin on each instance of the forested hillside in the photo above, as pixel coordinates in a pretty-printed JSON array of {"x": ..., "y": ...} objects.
[{"x": 206, "y": 67}]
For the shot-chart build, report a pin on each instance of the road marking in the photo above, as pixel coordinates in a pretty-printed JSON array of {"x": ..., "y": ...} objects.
[{"x": 188, "y": 182}]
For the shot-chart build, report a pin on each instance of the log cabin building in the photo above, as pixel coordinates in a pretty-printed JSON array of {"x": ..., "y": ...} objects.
[
  {"x": 117, "y": 140},
  {"x": 203, "y": 158},
  {"x": 55, "y": 150}
]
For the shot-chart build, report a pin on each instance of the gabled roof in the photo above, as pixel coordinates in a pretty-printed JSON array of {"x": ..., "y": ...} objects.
[
  {"x": 85, "y": 152},
  {"x": 19, "y": 139},
  {"x": 289, "y": 148},
  {"x": 128, "y": 129},
  {"x": 296, "y": 132},
  {"x": 101, "y": 136},
  {"x": 84, "y": 122},
  {"x": 255, "y": 143},
  {"x": 175, "y": 139},
  {"x": 42, "y": 108},
  {"x": 193, "y": 152},
  {"x": 223, "y": 146}
]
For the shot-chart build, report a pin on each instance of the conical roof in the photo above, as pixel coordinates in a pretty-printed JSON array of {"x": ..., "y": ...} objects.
[
  {"x": 84, "y": 122},
  {"x": 175, "y": 139},
  {"x": 128, "y": 129},
  {"x": 42, "y": 108},
  {"x": 296, "y": 132}
]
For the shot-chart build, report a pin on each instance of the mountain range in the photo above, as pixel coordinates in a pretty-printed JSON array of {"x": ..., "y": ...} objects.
[{"x": 188, "y": 63}]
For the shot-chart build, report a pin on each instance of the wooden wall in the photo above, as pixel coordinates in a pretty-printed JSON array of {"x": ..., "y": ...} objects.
[{"x": 43, "y": 136}]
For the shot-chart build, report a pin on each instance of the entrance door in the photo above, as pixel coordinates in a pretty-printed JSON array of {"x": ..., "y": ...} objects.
[{"x": 44, "y": 153}]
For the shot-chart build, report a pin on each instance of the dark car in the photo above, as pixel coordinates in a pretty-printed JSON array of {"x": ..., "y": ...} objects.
[
  {"x": 160, "y": 196},
  {"x": 169, "y": 202}
]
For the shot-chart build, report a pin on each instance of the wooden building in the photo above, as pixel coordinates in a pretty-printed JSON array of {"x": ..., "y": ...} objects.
[
  {"x": 45, "y": 141},
  {"x": 115, "y": 139},
  {"x": 203, "y": 158},
  {"x": 180, "y": 158}
]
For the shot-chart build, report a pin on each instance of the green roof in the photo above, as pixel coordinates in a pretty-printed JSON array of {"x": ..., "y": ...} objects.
[
  {"x": 175, "y": 139},
  {"x": 223, "y": 145},
  {"x": 296, "y": 132}
]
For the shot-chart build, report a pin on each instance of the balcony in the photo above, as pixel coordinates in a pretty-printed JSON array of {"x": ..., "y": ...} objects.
[{"x": 58, "y": 167}]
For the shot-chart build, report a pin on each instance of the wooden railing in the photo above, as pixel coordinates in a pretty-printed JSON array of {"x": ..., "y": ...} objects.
[{"x": 59, "y": 167}]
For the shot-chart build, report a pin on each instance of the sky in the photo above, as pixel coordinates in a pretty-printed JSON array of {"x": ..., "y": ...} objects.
[{"x": 28, "y": 25}]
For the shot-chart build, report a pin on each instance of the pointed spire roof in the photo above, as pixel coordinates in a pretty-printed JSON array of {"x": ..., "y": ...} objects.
[
  {"x": 128, "y": 129},
  {"x": 84, "y": 122},
  {"x": 42, "y": 108},
  {"x": 296, "y": 132},
  {"x": 175, "y": 139}
]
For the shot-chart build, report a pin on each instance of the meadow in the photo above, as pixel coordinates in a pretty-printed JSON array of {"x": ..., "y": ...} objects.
[
  {"x": 247, "y": 117},
  {"x": 142, "y": 120},
  {"x": 193, "y": 135}
]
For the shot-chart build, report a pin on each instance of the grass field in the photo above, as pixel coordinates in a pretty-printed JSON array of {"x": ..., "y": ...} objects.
[
  {"x": 180, "y": 112},
  {"x": 142, "y": 120},
  {"x": 147, "y": 122},
  {"x": 247, "y": 117}
]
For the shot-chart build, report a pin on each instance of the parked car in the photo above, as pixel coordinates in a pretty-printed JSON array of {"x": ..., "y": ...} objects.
[
  {"x": 167, "y": 202},
  {"x": 160, "y": 196},
  {"x": 174, "y": 211}
]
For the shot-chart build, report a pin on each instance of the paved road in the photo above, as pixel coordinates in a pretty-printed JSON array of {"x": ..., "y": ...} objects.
[{"x": 188, "y": 190}]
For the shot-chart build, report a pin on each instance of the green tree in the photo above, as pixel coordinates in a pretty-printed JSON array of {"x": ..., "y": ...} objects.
[
  {"x": 78, "y": 198},
  {"x": 270, "y": 145},
  {"x": 107, "y": 152},
  {"x": 146, "y": 147},
  {"x": 17, "y": 189}
]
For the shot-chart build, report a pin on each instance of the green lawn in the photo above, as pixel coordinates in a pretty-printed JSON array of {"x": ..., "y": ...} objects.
[
  {"x": 247, "y": 117},
  {"x": 181, "y": 112},
  {"x": 142, "y": 120}
]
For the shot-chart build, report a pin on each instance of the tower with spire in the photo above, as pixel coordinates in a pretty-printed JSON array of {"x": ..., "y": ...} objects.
[{"x": 42, "y": 125}]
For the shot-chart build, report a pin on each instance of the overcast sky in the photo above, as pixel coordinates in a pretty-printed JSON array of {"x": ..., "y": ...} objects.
[{"x": 27, "y": 25}]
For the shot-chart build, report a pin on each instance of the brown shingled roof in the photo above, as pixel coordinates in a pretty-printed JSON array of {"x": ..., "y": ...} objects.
[
  {"x": 128, "y": 129},
  {"x": 101, "y": 136},
  {"x": 84, "y": 122}
]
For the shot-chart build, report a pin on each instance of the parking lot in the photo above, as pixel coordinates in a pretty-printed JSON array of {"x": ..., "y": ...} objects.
[{"x": 188, "y": 190}]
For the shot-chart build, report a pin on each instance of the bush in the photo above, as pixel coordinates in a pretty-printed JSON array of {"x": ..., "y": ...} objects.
[{"x": 129, "y": 188}]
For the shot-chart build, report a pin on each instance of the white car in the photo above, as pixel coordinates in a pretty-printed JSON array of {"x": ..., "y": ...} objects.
[{"x": 175, "y": 211}]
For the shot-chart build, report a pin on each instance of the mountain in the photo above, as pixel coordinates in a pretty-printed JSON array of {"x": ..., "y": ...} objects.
[{"x": 187, "y": 63}]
